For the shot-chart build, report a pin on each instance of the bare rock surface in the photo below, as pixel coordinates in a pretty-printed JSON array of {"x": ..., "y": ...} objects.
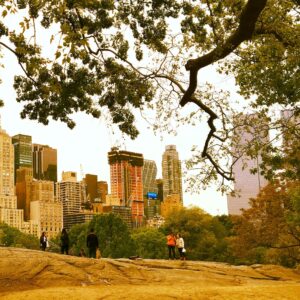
[{"x": 28, "y": 274}]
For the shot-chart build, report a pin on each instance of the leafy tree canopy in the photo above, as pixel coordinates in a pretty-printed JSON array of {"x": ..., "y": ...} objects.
[
  {"x": 12, "y": 237},
  {"x": 268, "y": 232},
  {"x": 113, "y": 57}
]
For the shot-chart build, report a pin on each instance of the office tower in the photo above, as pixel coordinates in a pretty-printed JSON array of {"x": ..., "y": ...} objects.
[
  {"x": 171, "y": 172},
  {"x": 23, "y": 190},
  {"x": 69, "y": 194},
  {"x": 102, "y": 190},
  {"x": 126, "y": 179},
  {"x": 23, "y": 152},
  {"x": 44, "y": 162},
  {"x": 9, "y": 213},
  {"x": 247, "y": 185},
  {"x": 90, "y": 182},
  {"x": 45, "y": 210}
]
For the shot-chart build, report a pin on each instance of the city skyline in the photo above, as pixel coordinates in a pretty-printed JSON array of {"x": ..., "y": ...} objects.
[{"x": 89, "y": 142}]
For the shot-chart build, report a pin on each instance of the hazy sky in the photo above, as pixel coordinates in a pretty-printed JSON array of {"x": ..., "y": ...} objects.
[{"x": 88, "y": 143}]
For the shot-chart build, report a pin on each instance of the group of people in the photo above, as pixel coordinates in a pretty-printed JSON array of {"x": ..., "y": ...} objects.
[
  {"x": 91, "y": 243},
  {"x": 176, "y": 241}
]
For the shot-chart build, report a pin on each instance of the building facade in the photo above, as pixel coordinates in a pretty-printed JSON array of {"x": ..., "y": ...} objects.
[
  {"x": 126, "y": 177},
  {"x": 170, "y": 203},
  {"x": 23, "y": 152},
  {"x": 69, "y": 194},
  {"x": 171, "y": 172},
  {"x": 44, "y": 162},
  {"x": 23, "y": 190},
  {"x": 149, "y": 177},
  {"x": 9, "y": 213},
  {"x": 247, "y": 185},
  {"x": 45, "y": 210},
  {"x": 102, "y": 190},
  {"x": 90, "y": 182}
]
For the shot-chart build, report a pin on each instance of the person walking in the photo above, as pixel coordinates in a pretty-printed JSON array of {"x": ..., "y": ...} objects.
[
  {"x": 92, "y": 243},
  {"x": 43, "y": 241},
  {"x": 64, "y": 242},
  {"x": 171, "y": 243},
  {"x": 180, "y": 246}
]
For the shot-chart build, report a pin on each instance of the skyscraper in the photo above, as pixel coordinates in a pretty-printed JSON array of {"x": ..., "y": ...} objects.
[
  {"x": 44, "y": 162},
  {"x": 171, "y": 173},
  {"x": 69, "y": 193},
  {"x": 151, "y": 204},
  {"x": 126, "y": 179},
  {"x": 23, "y": 152},
  {"x": 23, "y": 190},
  {"x": 9, "y": 213},
  {"x": 149, "y": 177},
  {"x": 247, "y": 185}
]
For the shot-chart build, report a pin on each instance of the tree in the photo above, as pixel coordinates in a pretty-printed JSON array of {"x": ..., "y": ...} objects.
[
  {"x": 149, "y": 243},
  {"x": 96, "y": 69},
  {"x": 204, "y": 236},
  {"x": 77, "y": 238},
  {"x": 12, "y": 237},
  {"x": 113, "y": 235},
  {"x": 269, "y": 230}
]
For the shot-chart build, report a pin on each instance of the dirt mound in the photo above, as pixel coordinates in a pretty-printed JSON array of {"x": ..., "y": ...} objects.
[{"x": 27, "y": 274}]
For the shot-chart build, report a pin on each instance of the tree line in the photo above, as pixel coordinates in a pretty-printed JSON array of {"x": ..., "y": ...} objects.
[{"x": 266, "y": 233}]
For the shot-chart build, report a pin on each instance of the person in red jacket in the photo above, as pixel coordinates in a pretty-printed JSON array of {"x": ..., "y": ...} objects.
[{"x": 171, "y": 243}]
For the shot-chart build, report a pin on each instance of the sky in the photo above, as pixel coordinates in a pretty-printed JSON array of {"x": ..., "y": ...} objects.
[{"x": 84, "y": 149}]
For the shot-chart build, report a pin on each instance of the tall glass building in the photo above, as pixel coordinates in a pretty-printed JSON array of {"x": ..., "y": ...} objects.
[{"x": 23, "y": 151}]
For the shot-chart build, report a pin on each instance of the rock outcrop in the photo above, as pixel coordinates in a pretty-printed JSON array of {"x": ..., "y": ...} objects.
[{"x": 28, "y": 274}]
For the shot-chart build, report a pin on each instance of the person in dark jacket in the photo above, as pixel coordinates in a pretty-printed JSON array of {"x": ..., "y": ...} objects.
[
  {"x": 64, "y": 242},
  {"x": 43, "y": 241},
  {"x": 92, "y": 243}
]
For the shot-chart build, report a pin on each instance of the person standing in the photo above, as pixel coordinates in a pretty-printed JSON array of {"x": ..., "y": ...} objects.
[
  {"x": 180, "y": 246},
  {"x": 92, "y": 243},
  {"x": 43, "y": 241},
  {"x": 171, "y": 243},
  {"x": 64, "y": 242}
]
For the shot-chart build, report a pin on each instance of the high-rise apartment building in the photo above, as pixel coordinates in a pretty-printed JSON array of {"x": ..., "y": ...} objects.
[
  {"x": 126, "y": 178},
  {"x": 23, "y": 190},
  {"x": 69, "y": 194},
  {"x": 171, "y": 173},
  {"x": 45, "y": 210},
  {"x": 23, "y": 152},
  {"x": 247, "y": 185},
  {"x": 9, "y": 213},
  {"x": 44, "y": 162}
]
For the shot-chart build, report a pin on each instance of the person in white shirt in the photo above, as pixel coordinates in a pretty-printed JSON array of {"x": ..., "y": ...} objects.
[{"x": 180, "y": 246}]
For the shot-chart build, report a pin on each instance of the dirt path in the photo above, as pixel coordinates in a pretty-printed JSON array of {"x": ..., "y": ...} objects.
[{"x": 26, "y": 274}]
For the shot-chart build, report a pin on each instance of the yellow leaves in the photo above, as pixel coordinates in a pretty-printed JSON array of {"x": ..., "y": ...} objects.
[{"x": 4, "y": 13}]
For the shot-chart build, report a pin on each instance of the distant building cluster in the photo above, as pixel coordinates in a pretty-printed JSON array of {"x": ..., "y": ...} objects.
[{"x": 34, "y": 201}]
